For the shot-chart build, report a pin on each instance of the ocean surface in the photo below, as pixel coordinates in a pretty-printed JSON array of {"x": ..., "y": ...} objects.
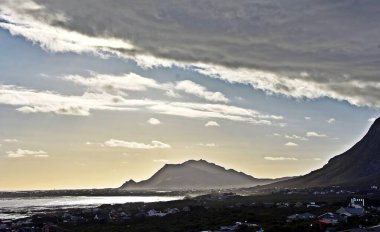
[{"x": 13, "y": 208}]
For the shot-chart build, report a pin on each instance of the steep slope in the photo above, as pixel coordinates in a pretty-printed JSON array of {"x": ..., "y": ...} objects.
[
  {"x": 358, "y": 166},
  {"x": 194, "y": 174}
]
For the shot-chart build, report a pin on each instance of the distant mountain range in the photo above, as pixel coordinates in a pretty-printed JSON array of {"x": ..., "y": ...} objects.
[
  {"x": 197, "y": 175},
  {"x": 359, "y": 166}
]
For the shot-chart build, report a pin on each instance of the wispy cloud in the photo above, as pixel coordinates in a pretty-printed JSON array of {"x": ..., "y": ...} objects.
[
  {"x": 291, "y": 144},
  {"x": 117, "y": 83},
  {"x": 212, "y": 124},
  {"x": 331, "y": 120},
  {"x": 315, "y": 134},
  {"x": 207, "y": 144},
  {"x": 372, "y": 119},
  {"x": 19, "y": 153},
  {"x": 295, "y": 137},
  {"x": 136, "y": 145},
  {"x": 154, "y": 121},
  {"x": 32, "y": 101},
  {"x": 10, "y": 140},
  {"x": 200, "y": 91},
  {"x": 280, "y": 158}
]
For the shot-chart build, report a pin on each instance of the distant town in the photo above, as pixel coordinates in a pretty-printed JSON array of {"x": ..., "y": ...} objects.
[{"x": 318, "y": 209}]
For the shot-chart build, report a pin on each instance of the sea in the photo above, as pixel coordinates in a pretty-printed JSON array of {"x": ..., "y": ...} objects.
[{"x": 16, "y": 208}]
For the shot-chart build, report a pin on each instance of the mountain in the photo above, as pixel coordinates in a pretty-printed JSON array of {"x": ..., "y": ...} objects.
[
  {"x": 195, "y": 174},
  {"x": 358, "y": 166}
]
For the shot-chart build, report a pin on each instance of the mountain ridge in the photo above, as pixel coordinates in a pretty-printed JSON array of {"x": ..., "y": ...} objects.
[
  {"x": 195, "y": 174},
  {"x": 359, "y": 165}
]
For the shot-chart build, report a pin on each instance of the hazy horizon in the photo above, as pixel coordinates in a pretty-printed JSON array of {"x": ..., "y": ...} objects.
[{"x": 95, "y": 93}]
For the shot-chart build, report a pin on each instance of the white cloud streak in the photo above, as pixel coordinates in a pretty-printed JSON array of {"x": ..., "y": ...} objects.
[
  {"x": 19, "y": 153},
  {"x": 372, "y": 119},
  {"x": 190, "y": 87},
  {"x": 154, "y": 121},
  {"x": 315, "y": 134},
  {"x": 10, "y": 140},
  {"x": 32, "y": 101},
  {"x": 295, "y": 137},
  {"x": 331, "y": 120},
  {"x": 136, "y": 145},
  {"x": 291, "y": 144},
  {"x": 212, "y": 124},
  {"x": 116, "y": 83}
]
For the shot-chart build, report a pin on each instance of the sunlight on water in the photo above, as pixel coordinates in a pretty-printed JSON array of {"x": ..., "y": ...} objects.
[{"x": 11, "y": 208}]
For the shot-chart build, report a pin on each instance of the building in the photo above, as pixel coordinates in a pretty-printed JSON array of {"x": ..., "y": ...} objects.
[{"x": 357, "y": 202}]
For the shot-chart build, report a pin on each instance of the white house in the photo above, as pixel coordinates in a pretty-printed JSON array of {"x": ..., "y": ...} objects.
[{"x": 357, "y": 202}]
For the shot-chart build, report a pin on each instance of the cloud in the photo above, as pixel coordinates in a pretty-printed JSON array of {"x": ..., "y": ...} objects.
[
  {"x": 120, "y": 84},
  {"x": 200, "y": 91},
  {"x": 212, "y": 124},
  {"x": 331, "y": 120},
  {"x": 207, "y": 145},
  {"x": 116, "y": 83},
  {"x": 32, "y": 101},
  {"x": 19, "y": 153},
  {"x": 315, "y": 134},
  {"x": 311, "y": 49},
  {"x": 154, "y": 121},
  {"x": 296, "y": 137},
  {"x": 307, "y": 118},
  {"x": 280, "y": 158},
  {"x": 291, "y": 144},
  {"x": 136, "y": 145},
  {"x": 372, "y": 119},
  {"x": 198, "y": 110},
  {"x": 317, "y": 159},
  {"x": 10, "y": 140}
]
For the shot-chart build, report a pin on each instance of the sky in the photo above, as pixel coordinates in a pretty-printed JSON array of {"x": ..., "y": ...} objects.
[{"x": 95, "y": 92}]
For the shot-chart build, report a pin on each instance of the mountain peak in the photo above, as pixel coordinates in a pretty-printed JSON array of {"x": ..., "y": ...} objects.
[
  {"x": 376, "y": 123},
  {"x": 195, "y": 174}
]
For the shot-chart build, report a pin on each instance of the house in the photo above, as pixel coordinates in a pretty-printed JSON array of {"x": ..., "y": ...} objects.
[
  {"x": 282, "y": 205},
  {"x": 299, "y": 217},
  {"x": 241, "y": 226},
  {"x": 331, "y": 218},
  {"x": 172, "y": 211},
  {"x": 298, "y": 204},
  {"x": 312, "y": 205},
  {"x": 357, "y": 202},
  {"x": 154, "y": 213},
  {"x": 351, "y": 212}
]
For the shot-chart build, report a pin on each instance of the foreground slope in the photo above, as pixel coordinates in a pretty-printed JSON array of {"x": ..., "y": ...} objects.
[
  {"x": 194, "y": 174},
  {"x": 359, "y": 166}
]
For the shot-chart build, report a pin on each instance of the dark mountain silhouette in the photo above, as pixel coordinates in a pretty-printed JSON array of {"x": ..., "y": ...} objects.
[
  {"x": 359, "y": 166},
  {"x": 194, "y": 174}
]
